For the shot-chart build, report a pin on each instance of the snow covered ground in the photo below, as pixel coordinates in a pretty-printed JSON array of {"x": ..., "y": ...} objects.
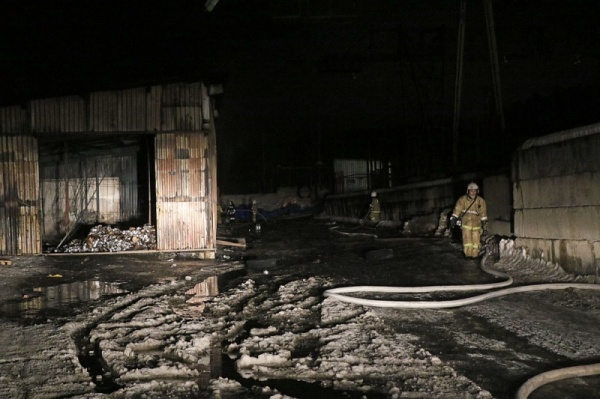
[{"x": 276, "y": 336}]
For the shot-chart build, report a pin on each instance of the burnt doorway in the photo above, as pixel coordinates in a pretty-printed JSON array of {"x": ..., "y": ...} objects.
[{"x": 87, "y": 181}]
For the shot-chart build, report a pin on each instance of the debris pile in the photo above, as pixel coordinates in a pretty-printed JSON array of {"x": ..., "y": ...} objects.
[{"x": 112, "y": 239}]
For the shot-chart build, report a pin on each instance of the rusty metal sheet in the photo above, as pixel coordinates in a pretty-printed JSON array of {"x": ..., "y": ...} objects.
[
  {"x": 20, "y": 230},
  {"x": 165, "y": 108},
  {"x": 183, "y": 207}
]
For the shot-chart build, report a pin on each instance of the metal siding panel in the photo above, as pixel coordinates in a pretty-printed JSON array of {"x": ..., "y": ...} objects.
[
  {"x": 78, "y": 114},
  {"x": 181, "y": 107},
  {"x": 138, "y": 110},
  {"x": 131, "y": 110},
  {"x": 196, "y": 178},
  {"x": 36, "y": 117},
  {"x": 175, "y": 107},
  {"x": 56, "y": 222},
  {"x": 8, "y": 199},
  {"x": 163, "y": 169},
  {"x": 104, "y": 111},
  {"x": 205, "y": 103},
  {"x": 181, "y": 209},
  {"x": 182, "y": 168},
  {"x": 13, "y": 120},
  {"x": 153, "y": 97},
  {"x": 20, "y": 231},
  {"x": 167, "y": 108},
  {"x": 102, "y": 188},
  {"x": 127, "y": 172}
]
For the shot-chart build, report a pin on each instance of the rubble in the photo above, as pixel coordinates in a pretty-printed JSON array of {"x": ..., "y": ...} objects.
[{"x": 112, "y": 239}]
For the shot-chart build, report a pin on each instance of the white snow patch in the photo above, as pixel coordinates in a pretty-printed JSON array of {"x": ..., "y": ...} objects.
[{"x": 282, "y": 358}]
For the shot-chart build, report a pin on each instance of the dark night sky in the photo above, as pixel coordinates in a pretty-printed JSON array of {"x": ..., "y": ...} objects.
[{"x": 301, "y": 90}]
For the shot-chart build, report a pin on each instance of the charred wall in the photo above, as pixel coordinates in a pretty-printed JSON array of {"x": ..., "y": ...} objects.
[
  {"x": 90, "y": 158},
  {"x": 19, "y": 193}
]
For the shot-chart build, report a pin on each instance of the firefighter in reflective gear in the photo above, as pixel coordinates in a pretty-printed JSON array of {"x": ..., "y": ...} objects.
[
  {"x": 230, "y": 212},
  {"x": 374, "y": 209},
  {"x": 470, "y": 214},
  {"x": 254, "y": 211}
]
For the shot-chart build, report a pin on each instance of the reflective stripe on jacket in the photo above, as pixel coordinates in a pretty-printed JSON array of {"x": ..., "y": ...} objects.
[{"x": 471, "y": 213}]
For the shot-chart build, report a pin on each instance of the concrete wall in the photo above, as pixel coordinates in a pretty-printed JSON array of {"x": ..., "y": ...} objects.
[
  {"x": 556, "y": 194},
  {"x": 497, "y": 192},
  {"x": 413, "y": 201},
  {"x": 553, "y": 209}
]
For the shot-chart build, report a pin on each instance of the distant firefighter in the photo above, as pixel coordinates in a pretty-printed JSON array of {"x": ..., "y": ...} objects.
[
  {"x": 374, "y": 209},
  {"x": 470, "y": 214},
  {"x": 231, "y": 212},
  {"x": 254, "y": 211}
]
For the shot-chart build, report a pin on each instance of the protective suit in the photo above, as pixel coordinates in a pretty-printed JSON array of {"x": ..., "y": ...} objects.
[
  {"x": 374, "y": 209},
  {"x": 230, "y": 212},
  {"x": 470, "y": 214},
  {"x": 254, "y": 211}
]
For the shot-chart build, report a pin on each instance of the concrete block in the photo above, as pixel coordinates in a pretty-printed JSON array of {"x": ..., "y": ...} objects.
[
  {"x": 561, "y": 158},
  {"x": 576, "y": 223},
  {"x": 560, "y": 191},
  {"x": 538, "y": 248},
  {"x": 596, "y": 251},
  {"x": 575, "y": 257}
]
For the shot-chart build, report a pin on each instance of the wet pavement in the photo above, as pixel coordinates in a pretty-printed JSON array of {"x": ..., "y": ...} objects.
[
  {"x": 498, "y": 359},
  {"x": 487, "y": 350},
  {"x": 53, "y": 300}
]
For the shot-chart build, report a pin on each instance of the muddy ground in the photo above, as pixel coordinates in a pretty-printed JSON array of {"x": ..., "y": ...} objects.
[{"x": 271, "y": 318}]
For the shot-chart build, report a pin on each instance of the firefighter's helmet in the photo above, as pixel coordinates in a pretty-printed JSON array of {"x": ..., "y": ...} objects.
[{"x": 472, "y": 186}]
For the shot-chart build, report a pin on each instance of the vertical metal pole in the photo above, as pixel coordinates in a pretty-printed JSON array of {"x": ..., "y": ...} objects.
[
  {"x": 149, "y": 175},
  {"x": 491, "y": 35},
  {"x": 460, "y": 47},
  {"x": 264, "y": 161},
  {"x": 98, "y": 181},
  {"x": 67, "y": 199}
]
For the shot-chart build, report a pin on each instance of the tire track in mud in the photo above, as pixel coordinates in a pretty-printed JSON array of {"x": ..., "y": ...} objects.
[{"x": 124, "y": 309}]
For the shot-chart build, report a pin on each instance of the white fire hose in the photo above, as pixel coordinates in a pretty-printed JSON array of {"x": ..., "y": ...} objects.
[{"x": 530, "y": 385}]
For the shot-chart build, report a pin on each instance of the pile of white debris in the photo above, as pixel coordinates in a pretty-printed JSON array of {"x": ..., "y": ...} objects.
[{"x": 112, "y": 239}]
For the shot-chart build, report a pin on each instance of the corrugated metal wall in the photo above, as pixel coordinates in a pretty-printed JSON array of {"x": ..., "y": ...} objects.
[
  {"x": 13, "y": 120},
  {"x": 353, "y": 175},
  {"x": 169, "y": 108},
  {"x": 182, "y": 199},
  {"x": 19, "y": 193},
  {"x": 166, "y": 108},
  {"x": 101, "y": 189}
]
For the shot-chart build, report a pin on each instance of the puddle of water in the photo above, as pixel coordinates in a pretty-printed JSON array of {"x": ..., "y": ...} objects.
[
  {"x": 203, "y": 291},
  {"x": 209, "y": 288},
  {"x": 90, "y": 357},
  {"x": 39, "y": 299}
]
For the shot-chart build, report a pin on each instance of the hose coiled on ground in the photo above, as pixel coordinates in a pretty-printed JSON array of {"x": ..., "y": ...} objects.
[{"x": 529, "y": 386}]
